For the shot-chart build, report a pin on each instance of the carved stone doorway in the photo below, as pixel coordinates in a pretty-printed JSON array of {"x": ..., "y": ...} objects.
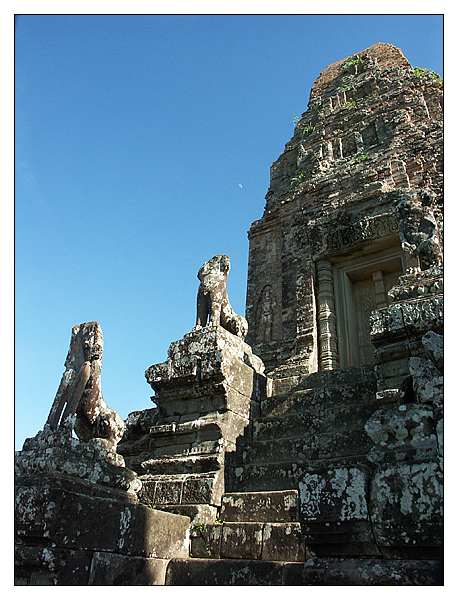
[{"x": 361, "y": 286}]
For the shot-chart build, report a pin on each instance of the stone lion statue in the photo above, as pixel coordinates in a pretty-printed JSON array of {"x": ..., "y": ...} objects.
[
  {"x": 79, "y": 395},
  {"x": 212, "y": 301}
]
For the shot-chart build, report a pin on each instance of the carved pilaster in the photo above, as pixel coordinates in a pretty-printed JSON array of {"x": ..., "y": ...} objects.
[{"x": 326, "y": 317}]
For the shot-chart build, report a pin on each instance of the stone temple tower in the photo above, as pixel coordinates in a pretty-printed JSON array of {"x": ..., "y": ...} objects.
[{"x": 355, "y": 201}]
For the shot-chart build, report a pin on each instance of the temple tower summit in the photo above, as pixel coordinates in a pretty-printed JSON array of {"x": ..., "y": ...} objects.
[{"x": 355, "y": 202}]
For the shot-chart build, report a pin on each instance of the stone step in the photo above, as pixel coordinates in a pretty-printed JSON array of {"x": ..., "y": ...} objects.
[
  {"x": 281, "y": 475},
  {"x": 265, "y": 507},
  {"x": 315, "y": 571},
  {"x": 312, "y": 447},
  {"x": 147, "y": 463},
  {"x": 340, "y": 538},
  {"x": 184, "y": 437},
  {"x": 177, "y": 489},
  {"x": 252, "y": 541},
  {"x": 335, "y": 377},
  {"x": 313, "y": 421},
  {"x": 324, "y": 397}
]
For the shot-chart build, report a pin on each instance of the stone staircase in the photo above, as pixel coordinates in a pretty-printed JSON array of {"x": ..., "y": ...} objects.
[
  {"x": 288, "y": 480},
  {"x": 308, "y": 423},
  {"x": 253, "y": 526},
  {"x": 259, "y": 540},
  {"x": 256, "y": 536},
  {"x": 295, "y": 510}
]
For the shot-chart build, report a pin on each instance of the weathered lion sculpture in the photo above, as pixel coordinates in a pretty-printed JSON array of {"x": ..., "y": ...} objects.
[
  {"x": 212, "y": 301},
  {"x": 80, "y": 393}
]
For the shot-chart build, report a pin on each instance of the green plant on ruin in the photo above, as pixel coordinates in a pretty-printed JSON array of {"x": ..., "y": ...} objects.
[
  {"x": 347, "y": 88},
  {"x": 417, "y": 73},
  {"x": 353, "y": 103},
  {"x": 353, "y": 61},
  {"x": 296, "y": 121},
  {"x": 307, "y": 129},
  {"x": 200, "y": 528},
  {"x": 299, "y": 179},
  {"x": 358, "y": 159}
]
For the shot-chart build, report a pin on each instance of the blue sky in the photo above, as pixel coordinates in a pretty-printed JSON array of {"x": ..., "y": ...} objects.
[{"x": 143, "y": 148}]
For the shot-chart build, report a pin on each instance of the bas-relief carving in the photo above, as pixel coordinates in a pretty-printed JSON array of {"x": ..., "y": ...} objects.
[
  {"x": 265, "y": 314},
  {"x": 329, "y": 239},
  {"x": 79, "y": 402},
  {"x": 212, "y": 300}
]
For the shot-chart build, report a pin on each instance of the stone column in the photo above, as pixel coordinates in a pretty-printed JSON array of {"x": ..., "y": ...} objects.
[
  {"x": 326, "y": 317},
  {"x": 379, "y": 289}
]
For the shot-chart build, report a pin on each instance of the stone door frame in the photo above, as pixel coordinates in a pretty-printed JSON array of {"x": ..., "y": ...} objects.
[{"x": 345, "y": 274}]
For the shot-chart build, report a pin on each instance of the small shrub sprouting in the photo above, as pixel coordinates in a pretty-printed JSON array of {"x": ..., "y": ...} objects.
[
  {"x": 358, "y": 159},
  {"x": 307, "y": 129},
  {"x": 353, "y": 61},
  {"x": 353, "y": 103},
  {"x": 200, "y": 528},
  {"x": 148, "y": 505},
  {"x": 417, "y": 72},
  {"x": 299, "y": 179}
]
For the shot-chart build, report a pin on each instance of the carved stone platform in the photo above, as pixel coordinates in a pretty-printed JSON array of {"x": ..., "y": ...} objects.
[
  {"x": 77, "y": 515},
  {"x": 207, "y": 392}
]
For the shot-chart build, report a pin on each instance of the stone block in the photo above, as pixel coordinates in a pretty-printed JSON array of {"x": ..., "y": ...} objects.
[
  {"x": 209, "y": 447},
  {"x": 283, "y": 542},
  {"x": 353, "y": 442},
  {"x": 423, "y": 315},
  {"x": 407, "y": 508},
  {"x": 334, "y": 495},
  {"x": 241, "y": 540},
  {"x": 208, "y": 355},
  {"x": 198, "y": 513},
  {"x": 434, "y": 346},
  {"x": 316, "y": 420},
  {"x": 231, "y": 425},
  {"x": 38, "y": 565},
  {"x": 55, "y": 453},
  {"x": 168, "y": 491},
  {"x": 386, "y": 323},
  {"x": 372, "y": 571},
  {"x": 404, "y": 431},
  {"x": 237, "y": 402},
  {"x": 274, "y": 507},
  {"x": 316, "y": 571},
  {"x": 340, "y": 538},
  {"x": 206, "y": 540},
  {"x": 80, "y": 522},
  {"x": 175, "y": 465},
  {"x": 108, "y": 568},
  {"x": 216, "y": 572},
  {"x": 148, "y": 491},
  {"x": 204, "y": 489},
  {"x": 428, "y": 381},
  {"x": 270, "y": 451}
]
